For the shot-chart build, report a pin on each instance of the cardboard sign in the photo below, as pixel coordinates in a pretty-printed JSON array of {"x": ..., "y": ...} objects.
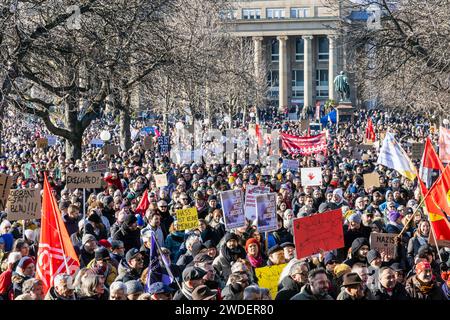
[
  {"x": 42, "y": 143},
  {"x": 365, "y": 157},
  {"x": 371, "y": 180},
  {"x": 83, "y": 180},
  {"x": 111, "y": 149},
  {"x": 291, "y": 165},
  {"x": 417, "y": 151},
  {"x": 148, "y": 143},
  {"x": 321, "y": 231},
  {"x": 268, "y": 278},
  {"x": 266, "y": 212},
  {"x": 5, "y": 186},
  {"x": 233, "y": 208},
  {"x": 383, "y": 242},
  {"x": 98, "y": 166},
  {"x": 163, "y": 142},
  {"x": 250, "y": 200},
  {"x": 311, "y": 176},
  {"x": 52, "y": 140},
  {"x": 24, "y": 204},
  {"x": 187, "y": 218},
  {"x": 30, "y": 172},
  {"x": 161, "y": 180}
]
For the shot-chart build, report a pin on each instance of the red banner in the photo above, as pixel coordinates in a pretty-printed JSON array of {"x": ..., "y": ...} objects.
[{"x": 304, "y": 145}]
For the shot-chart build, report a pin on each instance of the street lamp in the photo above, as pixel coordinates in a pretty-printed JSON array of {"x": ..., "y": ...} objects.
[{"x": 105, "y": 135}]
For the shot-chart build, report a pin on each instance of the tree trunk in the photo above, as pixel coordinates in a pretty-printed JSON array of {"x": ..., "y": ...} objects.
[
  {"x": 125, "y": 131},
  {"x": 73, "y": 148}
]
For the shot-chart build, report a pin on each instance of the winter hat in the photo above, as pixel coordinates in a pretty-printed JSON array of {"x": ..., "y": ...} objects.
[
  {"x": 422, "y": 266},
  {"x": 196, "y": 248},
  {"x": 229, "y": 236},
  {"x": 107, "y": 200},
  {"x": 372, "y": 255},
  {"x": 393, "y": 215},
  {"x": 355, "y": 217},
  {"x": 358, "y": 243},
  {"x": 250, "y": 241},
  {"x": 193, "y": 273},
  {"x": 13, "y": 257},
  {"x": 351, "y": 279},
  {"x": 424, "y": 250},
  {"x": 86, "y": 238},
  {"x": 25, "y": 262},
  {"x": 101, "y": 254},
  {"x": 203, "y": 293},
  {"x": 342, "y": 269},
  {"x": 274, "y": 249},
  {"x": 30, "y": 235},
  {"x": 129, "y": 220},
  {"x": 330, "y": 256},
  {"x": 134, "y": 287},
  {"x": 95, "y": 218},
  {"x": 131, "y": 254},
  {"x": 338, "y": 192},
  {"x": 326, "y": 206},
  {"x": 159, "y": 287},
  {"x": 104, "y": 243}
]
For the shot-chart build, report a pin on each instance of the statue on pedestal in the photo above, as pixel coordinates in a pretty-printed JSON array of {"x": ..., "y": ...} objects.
[{"x": 342, "y": 87}]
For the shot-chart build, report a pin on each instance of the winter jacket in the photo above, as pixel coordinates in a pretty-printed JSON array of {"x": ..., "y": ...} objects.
[
  {"x": 159, "y": 235},
  {"x": 71, "y": 224},
  {"x": 288, "y": 289},
  {"x": 89, "y": 229},
  {"x": 173, "y": 243},
  {"x": 399, "y": 293},
  {"x": 413, "y": 249},
  {"x": 110, "y": 274},
  {"x": 282, "y": 235},
  {"x": 413, "y": 285},
  {"x": 343, "y": 295},
  {"x": 126, "y": 273},
  {"x": 6, "y": 283},
  {"x": 130, "y": 238},
  {"x": 306, "y": 294},
  {"x": 185, "y": 259},
  {"x": 53, "y": 295},
  {"x": 85, "y": 257},
  {"x": 17, "y": 281},
  {"x": 231, "y": 293},
  {"x": 184, "y": 293}
]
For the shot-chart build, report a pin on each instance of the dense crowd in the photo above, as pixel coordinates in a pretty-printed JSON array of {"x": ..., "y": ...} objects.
[{"x": 209, "y": 262}]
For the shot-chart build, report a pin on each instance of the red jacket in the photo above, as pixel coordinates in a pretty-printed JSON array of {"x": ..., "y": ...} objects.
[
  {"x": 5, "y": 281},
  {"x": 114, "y": 182}
]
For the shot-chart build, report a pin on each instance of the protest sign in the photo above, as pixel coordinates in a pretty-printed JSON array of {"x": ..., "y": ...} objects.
[
  {"x": 148, "y": 143},
  {"x": 291, "y": 165},
  {"x": 268, "y": 278},
  {"x": 98, "y": 166},
  {"x": 5, "y": 186},
  {"x": 30, "y": 171},
  {"x": 371, "y": 180},
  {"x": 304, "y": 146},
  {"x": 311, "y": 176},
  {"x": 163, "y": 142},
  {"x": 417, "y": 151},
  {"x": 233, "y": 208},
  {"x": 97, "y": 143},
  {"x": 161, "y": 180},
  {"x": 187, "y": 218},
  {"x": 383, "y": 242},
  {"x": 52, "y": 140},
  {"x": 250, "y": 200},
  {"x": 365, "y": 157},
  {"x": 318, "y": 232},
  {"x": 111, "y": 149},
  {"x": 266, "y": 212},
  {"x": 42, "y": 143},
  {"x": 23, "y": 204},
  {"x": 83, "y": 180}
]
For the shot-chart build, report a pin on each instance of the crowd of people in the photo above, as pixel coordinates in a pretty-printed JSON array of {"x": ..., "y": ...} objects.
[{"x": 209, "y": 262}]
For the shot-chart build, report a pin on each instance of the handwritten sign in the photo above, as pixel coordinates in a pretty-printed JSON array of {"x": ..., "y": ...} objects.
[
  {"x": 321, "y": 231},
  {"x": 30, "y": 171},
  {"x": 187, "y": 218},
  {"x": 266, "y": 212},
  {"x": 5, "y": 186},
  {"x": 268, "y": 277},
  {"x": 148, "y": 143},
  {"x": 42, "y": 143},
  {"x": 23, "y": 204},
  {"x": 371, "y": 180},
  {"x": 311, "y": 176},
  {"x": 83, "y": 180},
  {"x": 417, "y": 150},
  {"x": 250, "y": 200},
  {"x": 291, "y": 165},
  {"x": 163, "y": 142},
  {"x": 161, "y": 180},
  {"x": 111, "y": 149},
  {"x": 98, "y": 166},
  {"x": 233, "y": 208},
  {"x": 383, "y": 242}
]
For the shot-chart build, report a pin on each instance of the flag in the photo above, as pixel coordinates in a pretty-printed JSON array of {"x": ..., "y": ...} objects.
[
  {"x": 444, "y": 144},
  {"x": 157, "y": 133},
  {"x": 258, "y": 135},
  {"x": 155, "y": 271},
  {"x": 370, "y": 133},
  {"x": 430, "y": 161},
  {"x": 394, "y": 157},
  {"x": 56, "y": 254},
  {"x": 143, "y": 204}
]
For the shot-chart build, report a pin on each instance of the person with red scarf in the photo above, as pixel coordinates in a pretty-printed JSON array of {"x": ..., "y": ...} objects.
[
  {"x": 253, "y": 249},
  {"x": 114, "y": 180},
  {"x": 423, "y": 285}
]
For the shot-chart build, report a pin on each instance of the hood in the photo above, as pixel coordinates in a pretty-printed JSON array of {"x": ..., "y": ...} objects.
[{"x": 358, "y": 243}]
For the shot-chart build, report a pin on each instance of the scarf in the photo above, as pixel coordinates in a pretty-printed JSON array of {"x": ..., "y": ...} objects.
[
  {"x": 255, "y": 262},
  {"x": 422, "y": 240},
  {"x": 423, "y": 287}
]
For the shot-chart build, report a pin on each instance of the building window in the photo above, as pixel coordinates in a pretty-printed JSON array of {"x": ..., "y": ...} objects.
[
  {"x": 297, "y": 84},
  {"x": 299, "y": 12},
  {"x": 273, "y": 79},
  {"x": 275, "y": 50},
  {"x": 299, "y": 49},
  {"x": 323, "y": 48},
  {"x": 251, "y": 13},
  {"x": 228, "y": 15},
  {"x": 322, "y": 77},
  {"x": 275, "y": 13}
]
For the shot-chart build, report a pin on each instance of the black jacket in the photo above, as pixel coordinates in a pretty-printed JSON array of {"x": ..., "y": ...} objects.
[
  {"x": 71, "y": 224},
  {"x": 85, "y": 257},
  {"x": 399, "y": 293},
  {"x": 130, "y": 238},
  {"x": 126, "y": 273},
  {"x": 413, "y": 289},
  {"x": 288, "y": 288}
]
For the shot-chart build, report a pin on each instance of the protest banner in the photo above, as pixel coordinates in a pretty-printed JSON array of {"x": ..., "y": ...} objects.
[
  {"x": 83, "y": 180},
  {"x": 383, "y": 242},
  {"x": 23, "y": 204},
  {"x": 268, "y": 278},
  {"x": 371, "y": 180},
  {"x": 98, "y": 166},
  {"x": 417, "y": 150},
  {"x": 5, "y": 185},
  {"x": 110, "y": 149},
  {"x": 233, "y": 208},
  {"x": 42, "y": 143},
  {"x": 311, "y": 176},
  {"x": 163, "y": 143},
  {"x": 291, "y": 165},
  {"x": 161, "y": 180},
  {"x": 187, "y": 218},
  {"x": 266, "y": 212},
  {"x": 318, "y": 232},
  {"x": 250, "y": 200},
  {"x": 304, "y": 146},
  {"x": 148, "y": 143},
  {"x": 52, "y": 140},
  {"x": 97, "y": 143}
]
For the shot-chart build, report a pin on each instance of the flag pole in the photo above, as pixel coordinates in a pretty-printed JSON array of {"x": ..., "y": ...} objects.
[
  {"x": 84, "y": 204},
  {"x": 164, "y": 261},
  {"x": 435, "y": 241}
]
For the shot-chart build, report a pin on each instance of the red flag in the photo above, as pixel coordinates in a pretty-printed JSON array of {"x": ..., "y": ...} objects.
[
  {"x": 56, "y": 254},
  {"x": 430, "y": 161},
  {"x": 258, "y": 135},
  {"x": 144, "y": 204},
  {"x": 370, "y": 133}
]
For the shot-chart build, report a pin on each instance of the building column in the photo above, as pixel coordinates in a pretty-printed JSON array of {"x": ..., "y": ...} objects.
[
  {"x": 257, "y": 47},
  {"x": 332, "y": 66},
  {"x": 307, "y": 72},
  {"x": 283, "y": 73}
]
